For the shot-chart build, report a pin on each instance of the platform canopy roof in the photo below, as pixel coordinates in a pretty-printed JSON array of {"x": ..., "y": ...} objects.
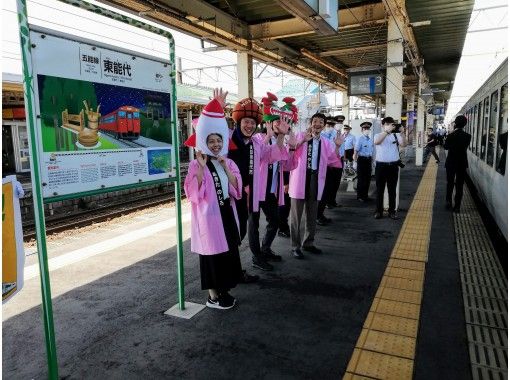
[{"x": 291, "y": 35}]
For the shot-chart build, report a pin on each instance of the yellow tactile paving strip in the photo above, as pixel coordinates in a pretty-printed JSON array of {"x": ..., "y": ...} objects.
[{"x": 386, "y": 346}]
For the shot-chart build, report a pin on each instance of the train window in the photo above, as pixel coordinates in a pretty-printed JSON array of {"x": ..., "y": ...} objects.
[
  {"x": 136, "y": 115},
  {"x": 479, "y": 128},
  {"x": 502, "y": 131},
  {"x": 485, "y": 127},
  {"x": 473, "y": 129},
  {"x": 122, "y": 113},
  {"x": 493, "y": 126}
]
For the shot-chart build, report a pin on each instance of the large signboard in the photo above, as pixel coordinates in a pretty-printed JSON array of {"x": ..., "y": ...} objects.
[
  {"x": 103, "y": 116},
  {"x": 13, "y": 254},
  {"x": 366, "y": 83}
]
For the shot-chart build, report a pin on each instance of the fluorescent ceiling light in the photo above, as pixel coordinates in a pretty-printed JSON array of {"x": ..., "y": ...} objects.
[{"x": 420, "y": 23}]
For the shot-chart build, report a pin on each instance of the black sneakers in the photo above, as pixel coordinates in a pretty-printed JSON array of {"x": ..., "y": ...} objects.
[
  {"x": 378, "y": 215},
  {"x": 297, "y": 253},
  {"x": 223, "y": 302},
  {"x": 393, "y": 215},
  {"x": 322, "y": 220},
  {"x": 261, "y": 264},
  {"x": 285, "y": 234},
  {"x": 271, "y": 256},
  {"x": 248, "y": 278},
  {"x": 312, "y": 249}
]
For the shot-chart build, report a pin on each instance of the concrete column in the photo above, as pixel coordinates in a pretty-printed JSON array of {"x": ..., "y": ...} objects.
[
  {"x": 394, "y": 78},
  {"x": 346, "y": 102},
  {"x": 244, "y": 75},
  {"x": 420, "y": 131}
]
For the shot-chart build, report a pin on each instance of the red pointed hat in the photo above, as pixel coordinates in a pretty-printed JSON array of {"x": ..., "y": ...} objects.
[{"x": 211, "y": 120}]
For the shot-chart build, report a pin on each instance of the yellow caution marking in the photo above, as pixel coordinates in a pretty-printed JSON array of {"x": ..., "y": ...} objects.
[
  {"x": 392, "y": 324},
  {"x": 399, "y": 295},
  {"x": 387, "y": 343},
  {"x": 386, "y": 346}
]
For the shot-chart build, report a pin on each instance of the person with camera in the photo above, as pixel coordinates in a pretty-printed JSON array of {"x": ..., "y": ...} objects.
[{"x": 387, "y": 157}]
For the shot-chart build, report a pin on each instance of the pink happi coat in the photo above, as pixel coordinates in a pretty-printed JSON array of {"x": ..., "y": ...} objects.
[
  {"x": 207, "y": 232},
  {"x": 264, "y": 165},
  {"x": 297, "y": 181},
  {"x": 263, "y": 155}
]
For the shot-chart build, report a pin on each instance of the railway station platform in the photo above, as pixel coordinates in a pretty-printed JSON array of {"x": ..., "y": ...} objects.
[{"x": 421, "y": 297}]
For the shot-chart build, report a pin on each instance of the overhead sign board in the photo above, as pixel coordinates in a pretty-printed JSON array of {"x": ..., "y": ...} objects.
[
  {"x": 104, "y": 116},
  {"x": 366, "y": 83}
]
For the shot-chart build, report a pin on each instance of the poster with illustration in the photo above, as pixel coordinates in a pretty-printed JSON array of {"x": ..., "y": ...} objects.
[
  {"x": 104, "y": 118},
  {"x": 13, "y": 253}
]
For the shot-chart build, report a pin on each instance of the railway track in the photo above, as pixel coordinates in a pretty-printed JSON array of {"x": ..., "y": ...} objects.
[
  {"x": 99, "y": 214},
  {"x": 102, "y": 213}
]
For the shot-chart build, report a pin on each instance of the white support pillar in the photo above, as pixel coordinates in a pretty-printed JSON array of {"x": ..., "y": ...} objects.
[
  {"x": 394, "y": 79},
  {"x": 394, "y": 74},
  {"x": 346, "y": 103},
  {"x": 420, "y": 131},
  {"x": 244, "y": 75}
]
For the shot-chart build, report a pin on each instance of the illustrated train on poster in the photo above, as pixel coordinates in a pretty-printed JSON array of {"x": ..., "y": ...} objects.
[{"x": 123, "y": 123}]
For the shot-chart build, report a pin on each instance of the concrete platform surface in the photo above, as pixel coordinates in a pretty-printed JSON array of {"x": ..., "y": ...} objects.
[{"x": 301, "y": 321}]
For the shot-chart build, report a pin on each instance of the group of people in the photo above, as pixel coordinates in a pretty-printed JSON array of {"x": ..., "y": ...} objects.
[{"x": 239, "y": 173}]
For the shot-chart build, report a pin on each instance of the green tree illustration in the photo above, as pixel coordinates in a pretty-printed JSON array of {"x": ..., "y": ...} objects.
[{"x": 52, "y": 105}]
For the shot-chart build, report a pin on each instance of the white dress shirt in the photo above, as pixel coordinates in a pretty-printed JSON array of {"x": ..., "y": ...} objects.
[
  {"x": 315, "y": 152},
  {"x": 387, "y": 150}
]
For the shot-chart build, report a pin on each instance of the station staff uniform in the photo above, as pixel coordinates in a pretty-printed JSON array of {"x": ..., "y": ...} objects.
[
  {"x": 387, "y": 158},
  {"x": 364, "y": 149},
  {"x": 347, "y": 148}
]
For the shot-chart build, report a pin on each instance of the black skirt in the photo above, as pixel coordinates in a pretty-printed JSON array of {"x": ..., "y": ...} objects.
[{"x": 222, "y": 271}]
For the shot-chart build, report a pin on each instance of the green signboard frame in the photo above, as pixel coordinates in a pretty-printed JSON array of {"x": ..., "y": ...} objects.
[{"x": 28, "y": 86}]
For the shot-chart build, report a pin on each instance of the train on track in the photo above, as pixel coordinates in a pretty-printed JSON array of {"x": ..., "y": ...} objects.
[
  {"x": 123, "y": 123},
  {"x": 487, "y": 114}
]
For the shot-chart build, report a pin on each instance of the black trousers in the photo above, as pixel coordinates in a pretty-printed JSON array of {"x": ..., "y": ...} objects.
[
  {"x": 455, "y": 177},
  {"x": 270, "y": 208},
  {"x": 364, "y": 175},
  {"x": 283, "y": 215},
  {"x": 386, "y": 174},
  {"x": 431, "y": 150},
  {"x": 331, "y": 185},
  {"x": 349, "y": 154}
]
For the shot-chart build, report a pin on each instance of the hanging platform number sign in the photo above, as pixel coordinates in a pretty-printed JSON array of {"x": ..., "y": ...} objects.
[{"x": 366, "y": 83}]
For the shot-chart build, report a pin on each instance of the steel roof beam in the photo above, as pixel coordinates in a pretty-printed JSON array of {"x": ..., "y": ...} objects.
[
  {"x": 355, "y": 17},
  {"x": 356, "y": 50},
  {"x": 208, "y": 27}
]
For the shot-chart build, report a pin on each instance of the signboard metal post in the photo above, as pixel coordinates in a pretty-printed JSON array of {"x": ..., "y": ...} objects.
[{"x": 40, "y": 227}]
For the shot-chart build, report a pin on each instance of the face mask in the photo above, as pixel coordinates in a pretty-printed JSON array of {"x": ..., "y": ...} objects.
[
  {"x": 388, "y": 127},
  {"x": 338, "y": 127},
  {"x": 366, "y": 132}
]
